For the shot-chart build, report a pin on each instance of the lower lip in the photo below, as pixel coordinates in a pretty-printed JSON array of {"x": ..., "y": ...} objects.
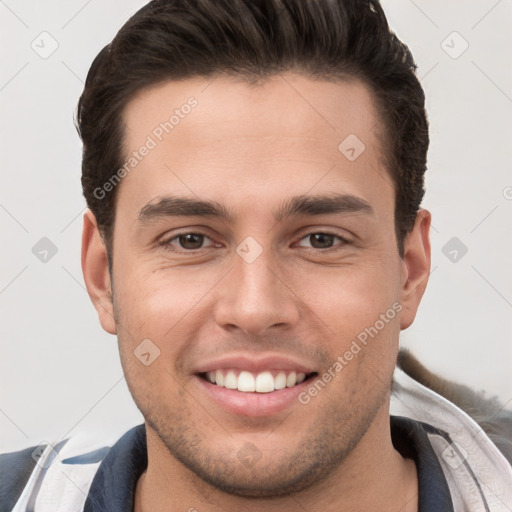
[{"x": 253, "y": 404}]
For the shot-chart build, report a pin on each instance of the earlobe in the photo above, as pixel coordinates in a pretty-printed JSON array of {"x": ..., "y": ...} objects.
[
  {"x": 416, "y": 265},
  {"x": 95, "y": 271}
]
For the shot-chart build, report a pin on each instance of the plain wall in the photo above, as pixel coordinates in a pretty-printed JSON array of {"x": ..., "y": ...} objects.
[{"x": 60, "y": 372}]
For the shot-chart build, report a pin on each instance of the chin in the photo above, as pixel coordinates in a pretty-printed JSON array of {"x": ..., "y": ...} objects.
[{"x": 264, "y": 481}]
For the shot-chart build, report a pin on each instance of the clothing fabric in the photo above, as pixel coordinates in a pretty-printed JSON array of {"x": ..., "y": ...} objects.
[{"x": 459, "y": 468}]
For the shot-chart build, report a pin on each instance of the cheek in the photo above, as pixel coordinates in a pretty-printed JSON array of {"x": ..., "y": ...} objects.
[
  {"x": 163, "y": 306},
  {"x": 350, "y": 298},
  {"x": 153, "y": 330},
  {"x": 360, "y": 307}
]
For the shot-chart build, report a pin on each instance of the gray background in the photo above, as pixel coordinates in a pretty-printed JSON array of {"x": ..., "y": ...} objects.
[{"x": 60, "y": 372}]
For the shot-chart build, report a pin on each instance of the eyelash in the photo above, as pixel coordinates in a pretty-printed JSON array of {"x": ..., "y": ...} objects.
[
  {"x": 166, "y": 244},
  {"x": 340, "y": 238}
]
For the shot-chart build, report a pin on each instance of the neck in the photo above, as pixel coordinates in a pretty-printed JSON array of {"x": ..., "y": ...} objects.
[{"x": 378, "y": 478}]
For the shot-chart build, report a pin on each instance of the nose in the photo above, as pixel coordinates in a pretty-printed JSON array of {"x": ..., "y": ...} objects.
[{"x": 256, "y": 296}]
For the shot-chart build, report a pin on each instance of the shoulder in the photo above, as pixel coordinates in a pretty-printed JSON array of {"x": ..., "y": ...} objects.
[
  {"x": 57, "y": 474},
  {"x": 492, "y": 416},
  {"x": 15, "y": 470},
  {"x": 477, "y": 472}
]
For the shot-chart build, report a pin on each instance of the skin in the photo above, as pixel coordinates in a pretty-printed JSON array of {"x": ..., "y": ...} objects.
[{"x": 251, "y": 148}]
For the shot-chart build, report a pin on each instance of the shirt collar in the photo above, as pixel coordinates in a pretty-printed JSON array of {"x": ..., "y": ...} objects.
[{"x": 411, "y": 441}]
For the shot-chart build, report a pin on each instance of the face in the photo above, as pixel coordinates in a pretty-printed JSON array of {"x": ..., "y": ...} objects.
[{"x": 258, "y": 293}]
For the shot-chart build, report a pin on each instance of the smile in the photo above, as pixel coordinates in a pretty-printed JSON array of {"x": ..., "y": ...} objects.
[
  {"x": 253, "y": 385},
  {"x": 262, "y": 382}
]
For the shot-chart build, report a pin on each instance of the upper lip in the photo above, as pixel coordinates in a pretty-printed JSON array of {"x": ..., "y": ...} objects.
[{"x": 254, "y": 364}]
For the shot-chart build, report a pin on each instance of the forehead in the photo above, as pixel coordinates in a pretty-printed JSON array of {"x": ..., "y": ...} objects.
[
  {"x": 207, "y": 132},
  {"x": 280, "y": 101}
]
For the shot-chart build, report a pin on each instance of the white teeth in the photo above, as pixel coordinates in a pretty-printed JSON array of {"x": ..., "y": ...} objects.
[
  {"x": 246, "y": 382},
  {"x": 230, "y": 381},
  {"x": 291, "y": 380},
  {"x": 219, "y": 378},
  {"x": 280, "y": 381},
  {"x": 263, "y": 382}
]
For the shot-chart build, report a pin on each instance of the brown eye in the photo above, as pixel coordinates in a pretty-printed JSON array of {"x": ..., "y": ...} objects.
[
  {"x": 321, "y": 240},
  {"x": 191, "y": 241},
  {"x": 187, "y": 242}
]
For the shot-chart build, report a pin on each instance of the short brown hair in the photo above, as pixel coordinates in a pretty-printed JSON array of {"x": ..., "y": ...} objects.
[{"x": 254, "y": 39}]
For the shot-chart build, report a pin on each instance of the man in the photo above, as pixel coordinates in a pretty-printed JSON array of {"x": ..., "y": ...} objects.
[{"x": 254, "y": 174}]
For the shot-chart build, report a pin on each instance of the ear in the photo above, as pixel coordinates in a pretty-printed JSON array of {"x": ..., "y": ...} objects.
[
  {"x": 95, "y": 271},
  {"x": 416, "y": 268}
]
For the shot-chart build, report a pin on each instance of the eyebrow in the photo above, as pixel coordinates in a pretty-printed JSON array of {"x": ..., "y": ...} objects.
[
  {"x": 171, "y": 206},
  {"x": 322, "y": 205}
]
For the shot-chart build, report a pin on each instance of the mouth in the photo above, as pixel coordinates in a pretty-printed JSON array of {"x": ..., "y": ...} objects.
[
  {"x": 253, "y": 385},
  {"x": 267, "y": 381},
  {"x": 242, "y": 393}
]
